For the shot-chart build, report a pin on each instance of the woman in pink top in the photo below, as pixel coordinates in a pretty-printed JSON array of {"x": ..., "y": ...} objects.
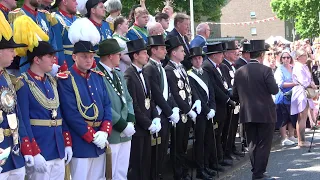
[{"x": 299, "y": 101}]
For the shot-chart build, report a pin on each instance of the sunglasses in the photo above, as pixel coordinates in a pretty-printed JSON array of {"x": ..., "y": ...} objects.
[{"x": 286, "y": 57}]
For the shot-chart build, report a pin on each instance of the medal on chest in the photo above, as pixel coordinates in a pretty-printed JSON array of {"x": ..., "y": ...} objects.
[
  {"x": 180, "y": 84},
  {"x": 177, "y": 73},
  {"x": 182, "y": 94},
  {"x": 147, "y": 103},
  {"x": 225, "y": 84},
  {"x": 54, "y": 114},
  {"x": 184, "y": 118},
  {"x": 231, "y": 73},
  {"x": 8, "y": 101}
]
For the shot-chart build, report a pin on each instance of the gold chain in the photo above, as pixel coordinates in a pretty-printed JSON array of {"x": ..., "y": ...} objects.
[
  {"x": 49, "y": 104},
  {"x": 80, "y": 105}
]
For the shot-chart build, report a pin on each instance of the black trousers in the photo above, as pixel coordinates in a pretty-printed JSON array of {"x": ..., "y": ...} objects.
[
  {"x": 140, "y": 158},
  {"x": 162, "y": 147},
  {"x": 179, "y": 144},
  {"x": 204, "y": 141},
  {"x": 229, "y": 132},
  {"x": 220, "y": 118},
  {"x": 259, "y": 138}
]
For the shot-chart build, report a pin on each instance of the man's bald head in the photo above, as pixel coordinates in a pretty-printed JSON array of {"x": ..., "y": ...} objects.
[
  {"x": 203, "y": 29},
  {"x": 155, "y": 28},
  {"x": 168, "y": 10}
]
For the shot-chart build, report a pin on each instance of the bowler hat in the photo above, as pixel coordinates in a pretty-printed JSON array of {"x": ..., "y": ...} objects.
[
  {"x": 92, "y": 3},
  {"x": 83, "y": 46},
  {"x": 157, "y": 40},
  {"x": 230, "y": 45},
  {"x": 257, "y": 45},
  {"x": 136, "y": 45},
  {"x": 173, "y": 43},
  {"x": 4, "y": 44},
  {"x": 109, "y": 46},
  {"x": 196, "y": 51},
  {"x": 245, "y": 47},
  {"x": 43, "y": 48},
  {"x": 215, "y": 48}
]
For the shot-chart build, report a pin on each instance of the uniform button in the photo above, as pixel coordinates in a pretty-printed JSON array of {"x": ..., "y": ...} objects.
[
  {"x": 29, "y": 150},
  {"x": 68, "y": 142},
  {"x": 88, "y": 127},
  {"x": 27, "y": 145},
  {"x": 67, "y": 134},
  {"x": 92, "y": 94},
  {"x": 90, "y": 130},
  {"x": 67, "y": 138},
  {"x": 89, "y": 86}
]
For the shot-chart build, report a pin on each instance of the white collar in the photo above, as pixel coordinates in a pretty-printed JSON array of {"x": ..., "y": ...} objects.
[
  {"x": 228, "y": 61},
  {"x": 138, "y": 69},
  {"x": 155, "y": 61},
  {"x": 107, "y": 68},
  {"x": 176, "y": 64},
  {"x": 215, "y": 64}
]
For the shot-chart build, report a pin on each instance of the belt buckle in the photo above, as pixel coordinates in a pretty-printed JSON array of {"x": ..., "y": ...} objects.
[{"x": 53, "y": 123}]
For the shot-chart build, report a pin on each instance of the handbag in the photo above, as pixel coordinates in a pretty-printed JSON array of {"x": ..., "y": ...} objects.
[{"x": 310, "y": 92}]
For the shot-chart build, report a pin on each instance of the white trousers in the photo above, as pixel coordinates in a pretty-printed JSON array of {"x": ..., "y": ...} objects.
[
  {"x": 55, "y": 171},
  {"x": 17, "y": 174},
  {"x": 88, "y": 168},
  {"x": 120, "y": 160}
]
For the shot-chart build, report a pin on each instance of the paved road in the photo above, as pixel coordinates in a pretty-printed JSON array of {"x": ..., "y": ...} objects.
[{"x": 286, "y": 163}]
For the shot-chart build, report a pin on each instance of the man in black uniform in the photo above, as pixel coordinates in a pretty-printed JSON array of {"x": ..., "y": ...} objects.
[
  {"x": 258, "y": 110},
  {"x": 216, "y": 74},
  {"x": 199, "y": 82},
  {"x": 181, "y": 91},
  {"x": 165, "y": 105},
  {"x": 245, "y": 56},
  {"x": 231, "y": 125},
  {"x": 147, "y": 119}
]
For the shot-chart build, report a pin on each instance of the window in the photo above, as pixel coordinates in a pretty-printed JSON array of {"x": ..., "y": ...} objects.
[
  {"x": 253, "y": 31},
  {"x": 253, "y": 15}
]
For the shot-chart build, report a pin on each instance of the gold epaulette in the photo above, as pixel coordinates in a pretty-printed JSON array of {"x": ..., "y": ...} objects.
[
  {"x": 63, "y": 75},
  {"x": 50, "y": 17},
  {"x": 16, "y": 81},
  {"x": 98, "y": 72},
  {"x": 111, "y": 25},
  {"x": 14, "y": 14}
]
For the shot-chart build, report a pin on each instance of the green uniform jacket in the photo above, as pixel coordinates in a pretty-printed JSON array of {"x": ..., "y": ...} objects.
[{"x": 122, "y": 113}]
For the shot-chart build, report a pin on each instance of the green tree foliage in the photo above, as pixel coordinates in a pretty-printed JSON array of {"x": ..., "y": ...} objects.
[{"x": 305, "y": 14}]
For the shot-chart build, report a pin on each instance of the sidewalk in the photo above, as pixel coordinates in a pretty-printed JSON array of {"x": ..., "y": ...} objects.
[{"x": 229, "y": 169}]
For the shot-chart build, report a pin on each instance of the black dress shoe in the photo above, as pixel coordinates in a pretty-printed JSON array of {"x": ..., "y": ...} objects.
[
  {"x": 226, "y": 162},
  {"x": 218, "y": 168},
  {"x": 210, "y": 171},
  {"x": 201, "y": 174},
  {"x": 237, "y": 153},
  {"x": 186, "y": 177}
]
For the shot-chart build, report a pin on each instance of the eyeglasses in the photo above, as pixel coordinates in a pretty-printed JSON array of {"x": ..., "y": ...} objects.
[{"x": 286, "y": 57}]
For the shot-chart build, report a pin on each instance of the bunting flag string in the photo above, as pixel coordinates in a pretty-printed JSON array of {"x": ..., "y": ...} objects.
[{"x": 247, "y": 23}]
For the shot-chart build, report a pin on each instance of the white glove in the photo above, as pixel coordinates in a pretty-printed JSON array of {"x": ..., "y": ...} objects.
[
  {"x": 211, "y": 114},
  {"x": 152, "y": 128},
  {"x": 175, "y": 110},
  {"x": 54, "y": 69},
  {"x": 197, "y": 105},
  {"x": 40, "y": 164},
  {"x": 0, "y": 169},
  {"x": 175, "y": 116},
  {"x": 29, "y": 160},
  {"x": 129, "y": 130},
  {"x": 193, "y": 115},
  {"x": 157, "y": 122},
  {"x": 68, "y": 154},
  {"x": 100, "y": 139}
]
